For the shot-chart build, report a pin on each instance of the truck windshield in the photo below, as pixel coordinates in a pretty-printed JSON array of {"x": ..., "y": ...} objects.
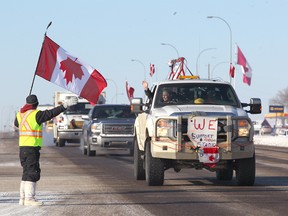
[
  {"x": 195, "y": 93},
  {"x": 80, "y": 108},
  {"x": 115, "y": 112}
]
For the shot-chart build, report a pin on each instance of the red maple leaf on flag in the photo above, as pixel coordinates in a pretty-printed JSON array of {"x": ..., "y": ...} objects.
[
  {"x": 72, "y": 68},
  {"x": 211, "y": 158}
]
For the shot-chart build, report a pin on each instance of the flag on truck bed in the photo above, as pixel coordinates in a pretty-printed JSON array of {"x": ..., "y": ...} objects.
[
  {"x": 59, "y": 67},
  {"x": 246, "y": 68}
]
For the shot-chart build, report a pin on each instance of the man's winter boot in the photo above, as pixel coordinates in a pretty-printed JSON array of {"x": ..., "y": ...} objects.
[
  {"x": 30, "y": 188},
  {"x": 22, "y": 193}
]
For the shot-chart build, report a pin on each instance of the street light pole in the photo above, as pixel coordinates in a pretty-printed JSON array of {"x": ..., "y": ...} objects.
[
  {"x": 116, "y": 95},
  {"x": 217, "y": 17},
  {"x": 167, "y": 44},
  {"x": 199, "y": 56},
  {"x": 116, "y": 88},
  {"x": 136, "y": 60}
]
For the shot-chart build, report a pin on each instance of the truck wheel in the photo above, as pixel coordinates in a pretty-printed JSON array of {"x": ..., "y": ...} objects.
[
  {"x": 245, "y": 171},
  {"x": 154, "y": 168},
  {"x": 131, "y": 151},
  {"x": 139, "y": 171},
  {"x": 61, "y": 142},
  {"x": 83, "y": 146},
  {"x": 90, "y": 152},
  {"x": 225, "y": 174}
]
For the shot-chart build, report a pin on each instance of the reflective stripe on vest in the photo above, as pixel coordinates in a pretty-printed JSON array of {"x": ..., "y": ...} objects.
[{"x": 30, "y": 132}]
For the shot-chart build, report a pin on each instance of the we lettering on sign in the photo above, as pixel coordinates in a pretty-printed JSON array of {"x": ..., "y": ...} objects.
[{"x": 205, "y": 124}]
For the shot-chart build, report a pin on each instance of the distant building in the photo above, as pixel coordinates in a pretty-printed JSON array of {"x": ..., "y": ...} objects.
[{"x": 279, "y": 120}]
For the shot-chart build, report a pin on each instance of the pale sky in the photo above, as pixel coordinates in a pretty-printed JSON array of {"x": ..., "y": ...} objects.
[{"x": 107, "y": 34}]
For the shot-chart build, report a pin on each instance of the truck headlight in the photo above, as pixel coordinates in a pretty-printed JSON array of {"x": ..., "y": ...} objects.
[
  {"x": 95, "y": 128},
  {"x": 243, "y": 127},
  {"x": 166, "y": 128}
]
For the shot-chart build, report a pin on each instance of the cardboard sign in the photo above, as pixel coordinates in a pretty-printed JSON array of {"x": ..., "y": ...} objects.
[{"x": 202, "y": 131}]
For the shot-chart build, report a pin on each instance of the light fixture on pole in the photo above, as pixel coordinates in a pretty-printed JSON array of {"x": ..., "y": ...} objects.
[
  {"x": 136, "y": 60},
  {"x": 217, "y": 17},
  {"x": 223, "y": 62},
  {"x": 167, "y": 44},
  {"x": 116, "y": 88},
  {"x": 204, "y": 50}
]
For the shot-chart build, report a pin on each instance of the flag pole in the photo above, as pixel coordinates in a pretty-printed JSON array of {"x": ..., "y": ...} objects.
[
  {"x": 235, "y": 48},
  {"x": 39, "y": 57}
]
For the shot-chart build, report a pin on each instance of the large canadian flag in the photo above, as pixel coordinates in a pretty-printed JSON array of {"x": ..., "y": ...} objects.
[
  {"x": 246, "y": 69},
  {"x": 59, "y": 67}
]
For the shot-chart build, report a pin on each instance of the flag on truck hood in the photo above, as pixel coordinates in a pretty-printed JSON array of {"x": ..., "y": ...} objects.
[{"x": 63, "y": 69}]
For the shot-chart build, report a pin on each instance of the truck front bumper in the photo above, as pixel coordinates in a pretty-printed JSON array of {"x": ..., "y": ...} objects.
[
  {"x": 69, "y": 134},
  {"x": 111, "y": 142},
  {"x": 170, "y": 150}
]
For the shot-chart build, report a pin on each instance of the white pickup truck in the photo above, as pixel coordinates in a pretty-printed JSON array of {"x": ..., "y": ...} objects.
[
  {"x": 204, "y": 126},
  {"x": 67, "y": 126}
]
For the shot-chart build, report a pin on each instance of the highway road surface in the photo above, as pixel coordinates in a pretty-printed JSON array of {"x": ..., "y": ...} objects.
[{"x": 74, "y": 184}]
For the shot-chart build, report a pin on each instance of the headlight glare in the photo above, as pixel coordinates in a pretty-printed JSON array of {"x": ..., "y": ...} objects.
[
  {"x": 243, "y": 128},
  {"x": 95, "y": 128},
  {"x": 165, "y": 128}
]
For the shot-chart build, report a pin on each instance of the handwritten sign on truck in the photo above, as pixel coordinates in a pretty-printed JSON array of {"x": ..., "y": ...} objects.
[{"x": 202, "y": 131}]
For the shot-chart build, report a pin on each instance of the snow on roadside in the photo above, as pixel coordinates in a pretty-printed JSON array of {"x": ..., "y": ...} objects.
[{"x": 280, "y": 141}]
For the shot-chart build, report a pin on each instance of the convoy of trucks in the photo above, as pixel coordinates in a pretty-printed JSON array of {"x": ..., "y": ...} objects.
[{"x": 203, "y": 126}]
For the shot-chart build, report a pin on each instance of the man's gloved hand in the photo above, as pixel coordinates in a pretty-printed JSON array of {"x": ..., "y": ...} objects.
[{"x": 70, "y": 102}]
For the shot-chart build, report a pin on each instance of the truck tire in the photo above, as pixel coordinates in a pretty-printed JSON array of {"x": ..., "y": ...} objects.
[
  {"x": 139, "y": 171},
  {"x": 154, "y": 168},
  {"x": 225, "y": 174},
  {"x": 131, "y": 151},
  {"x": 90, "y": 152},
  {"x": 245, "y": 171},
  {"x": 61, "y": 142},
  {"x": 83, "y": 146}
]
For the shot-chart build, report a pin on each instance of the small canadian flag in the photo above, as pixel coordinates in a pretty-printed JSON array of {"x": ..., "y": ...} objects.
[
  {"x": 152, "y": 69},
  {"x": 232, "y": 70},
  {"x": 129, "y": 91},
  {"x": 246, "y": 69}
]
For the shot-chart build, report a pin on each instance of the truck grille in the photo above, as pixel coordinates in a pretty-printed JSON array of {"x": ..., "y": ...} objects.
[
  {"x": 118, "y": 129},
  {"x": 221, "y": 134}
]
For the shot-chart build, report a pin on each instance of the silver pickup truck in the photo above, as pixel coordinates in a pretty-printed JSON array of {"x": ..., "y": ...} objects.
[
  {"x": 108, "y": 127},
  {"x": 203, "y": 126}
]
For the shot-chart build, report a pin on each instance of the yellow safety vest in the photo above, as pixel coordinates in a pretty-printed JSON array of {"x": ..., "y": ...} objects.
[{"x": 30, "y": 132}]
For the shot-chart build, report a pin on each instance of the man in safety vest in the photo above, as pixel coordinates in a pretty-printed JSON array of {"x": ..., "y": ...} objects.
[{"x": 29, "y": 121}]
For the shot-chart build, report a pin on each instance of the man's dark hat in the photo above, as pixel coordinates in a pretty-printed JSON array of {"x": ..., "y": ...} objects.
[{"x": 32, "y": 99}]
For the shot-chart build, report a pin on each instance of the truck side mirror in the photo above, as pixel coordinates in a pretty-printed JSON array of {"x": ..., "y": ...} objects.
[
  {"x": 255, "y": 106},
  {"x": 136, "y": 105},
  {"x": 85, "y": 117}
]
